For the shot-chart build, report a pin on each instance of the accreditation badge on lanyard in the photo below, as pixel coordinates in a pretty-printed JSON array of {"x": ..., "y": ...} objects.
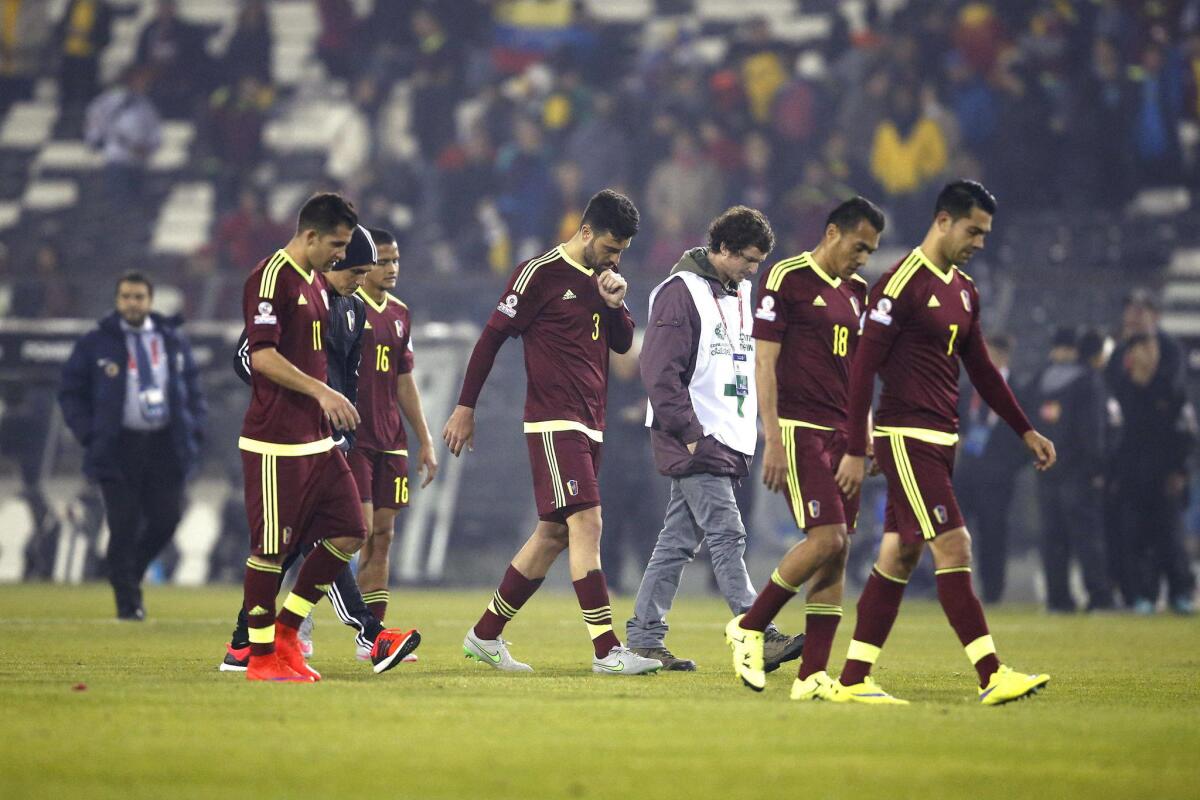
[{"x": 741, "y": 376}]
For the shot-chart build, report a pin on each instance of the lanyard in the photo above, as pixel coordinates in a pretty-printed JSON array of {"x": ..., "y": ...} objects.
[{"x": 741, "y": 321}]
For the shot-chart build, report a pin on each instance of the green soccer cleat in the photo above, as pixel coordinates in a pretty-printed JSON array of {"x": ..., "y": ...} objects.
[
  {"x": 818, "y": 686},
  {"x": 1007, "y": 685},
  {"x": 747, "y": 648},
  {"x": 868, "y": 693}
]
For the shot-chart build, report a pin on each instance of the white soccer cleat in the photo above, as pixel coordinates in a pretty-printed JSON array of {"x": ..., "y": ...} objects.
[
  {"x": 623, "y": 661},
  {"x": 818, "y": 686},
  {"x": 493, "y": 652}
]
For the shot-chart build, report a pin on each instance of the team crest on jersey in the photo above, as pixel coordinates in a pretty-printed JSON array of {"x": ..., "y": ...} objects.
[
  {"x": 399, "y": 328},
  {"x": 966, "y": 298},
  {"x": 508, "y": 307},
  {"x": 939, "y": 513},
  {"x": 814, "y": 508},
  {"x": 266, "y": 314},
  {"x": 766, "y": 309},
  {"x": 882, "y": 312},
  {"x": 573, "y": 488}
]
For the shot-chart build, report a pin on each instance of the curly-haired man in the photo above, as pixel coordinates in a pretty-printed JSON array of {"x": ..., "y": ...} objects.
[{"x": 697, "y": 364}]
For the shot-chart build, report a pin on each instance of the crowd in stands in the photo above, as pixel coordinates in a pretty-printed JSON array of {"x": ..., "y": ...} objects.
[{"x": 517, "y": 111}]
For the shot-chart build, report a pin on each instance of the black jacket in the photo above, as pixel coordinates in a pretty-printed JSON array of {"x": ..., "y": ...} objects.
[
  {"x": 92, "y": 395},
  {"x": 1068, "y": 403},
  {"x": 343, "y": 348}
]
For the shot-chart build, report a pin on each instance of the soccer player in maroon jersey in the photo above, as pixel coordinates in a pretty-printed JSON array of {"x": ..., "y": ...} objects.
[
  {"x": 923, "y": 318},
  {"x": 298, "y": 485},
  {"x": 386, "y": 387},
  {"x": 807, "y": 327},
  {"x": 568, "y": 307}
]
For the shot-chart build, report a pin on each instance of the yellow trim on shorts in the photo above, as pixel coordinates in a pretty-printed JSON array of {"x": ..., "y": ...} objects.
[
  {"x": 285, "y": 450},
  {"x": 269, "y": 481},
  {"x": 927, "y": 435},
  {"x": 799, "y": 423},
  {"x": 912, "y": 491},
  {"x": 560, "y": 497},
  {"x": 793, "y": 481},
  {"x": 395, "y": 452},
  {"x": 559, "y": 425}
]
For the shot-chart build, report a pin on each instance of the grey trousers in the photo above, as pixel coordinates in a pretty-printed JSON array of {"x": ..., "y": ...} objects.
[{"x": 701, "y": 508}]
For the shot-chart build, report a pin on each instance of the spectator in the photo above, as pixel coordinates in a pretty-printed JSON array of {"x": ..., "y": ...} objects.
[
  {"x": 1103, "y": 99},
  {"x": 526, "y": 189},
  {"x": 83, "y": 33},
  {"x": 336, "y": 45},
  {"x": 246, "y": 235},
  {"x": 249, "y": 51},
  {"x": 908, "y": 154},
  {"x": 435, "y": 83},
  {"x": 686, "y": 187},
  {"x": 124, "y": 125},
  {"x": 180, "y": 67},
  {"x": 1156, "y": 116},
  {"x": 763, "y": 73},
  {"x": 600, "y": 146},
  {"x": 23, "y": 38},
  {"x": 236, "y": 117}
]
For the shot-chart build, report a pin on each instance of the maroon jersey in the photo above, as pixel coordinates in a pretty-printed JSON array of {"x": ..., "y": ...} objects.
[
  {"x": 925, "y": 318},
  {"x": 553, "y": 303},
  {"x": 815, "y": 318},
  {"x": 387, "y": 354},
  {"x": 286, "y": 308}
]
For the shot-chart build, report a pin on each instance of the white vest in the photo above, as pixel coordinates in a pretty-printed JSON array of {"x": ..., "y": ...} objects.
[{"x": 730, "y": 419}]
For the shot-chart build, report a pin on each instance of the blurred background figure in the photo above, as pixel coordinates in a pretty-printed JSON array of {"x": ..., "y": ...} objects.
[
  {"x": 124, "y": 125},
  {"x": 1068, "y": 398},
  {"x": 989, "y": 458}
]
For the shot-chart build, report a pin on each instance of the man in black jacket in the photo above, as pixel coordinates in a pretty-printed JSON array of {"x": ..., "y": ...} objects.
[
  {"x": 130, "y": 393},
  {"x": 1069, "y": 397}
]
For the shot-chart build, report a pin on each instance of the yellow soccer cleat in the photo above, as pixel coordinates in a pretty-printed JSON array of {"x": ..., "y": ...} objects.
[
  {"x": 818, "y": 686},
  {"x": 747, "y": 647},
  {"x": 868, "y": 692},
  {"x": 1007, "y": 685}
]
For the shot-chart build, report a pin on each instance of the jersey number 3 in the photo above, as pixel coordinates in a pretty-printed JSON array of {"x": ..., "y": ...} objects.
[{"x": 595, "y": 327}]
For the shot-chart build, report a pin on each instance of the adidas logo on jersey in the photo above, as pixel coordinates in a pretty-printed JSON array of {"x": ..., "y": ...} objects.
[
  {"x": 820, "y": 302},
  {"x": 568, "y": 295},
  {"x": 302, "y": 301},
  {"x": 933, "y": 302}
]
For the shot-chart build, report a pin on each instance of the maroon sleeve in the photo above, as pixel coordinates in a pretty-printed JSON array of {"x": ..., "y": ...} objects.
[
  {"x": 880, "y": 326},
  {"x": 620, "y": 329},
  {"x": 520, "y": 303},
  {"x": 770, "y": 318},
  {"x": 988, "y": 381},
  {"x": 482, "y": 359},
  {"x": 264, "y": 317},
  {"x": 668, "y": 360}
]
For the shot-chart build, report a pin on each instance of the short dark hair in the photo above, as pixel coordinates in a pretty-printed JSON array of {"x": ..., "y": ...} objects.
[
  {"x": 1065, "y": 336},
  {"x": 857, "y": 209},
  {"x": 133, "y": 276},
  {"x": 381, "y": 236},
  {"x": 612, "y": 212},
  {"x": 741, "y": 227},
  {"x": 324, "y": 211},
  {"x": 1091, "y": 344},
  {"x": 958, "y": 198}
]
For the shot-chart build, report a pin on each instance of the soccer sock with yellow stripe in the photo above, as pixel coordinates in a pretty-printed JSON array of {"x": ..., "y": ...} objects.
[
  {"x": 319, "y": 569},
  {"x": 877, "y": 609},
  {"x": 259, "y": 588},
  {"x": 769, "y": 603},
  {"x": 514, "y": 591},
  {"x": 963, "y": 609},
  {"x": 377, "y": 603},
  {"x": 592, "y": 591},
  {"x": 820, "y": 626}
]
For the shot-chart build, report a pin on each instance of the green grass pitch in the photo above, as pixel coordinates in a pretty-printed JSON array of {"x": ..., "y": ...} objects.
[{"x": 1121, "y": 717}]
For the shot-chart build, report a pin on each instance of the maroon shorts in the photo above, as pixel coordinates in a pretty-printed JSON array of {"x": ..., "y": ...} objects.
[
  {"x": 291, "y": 500},
  {"x": 920, "y": 498},
  {"x": 382, "y": 478},
  {"x": 812, "y": 494},
  {"x": 566, "y": 470}
]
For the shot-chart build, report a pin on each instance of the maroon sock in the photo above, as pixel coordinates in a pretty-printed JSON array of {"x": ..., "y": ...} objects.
[
  {"x": 592, "y": 591},
  {"x": 770, "y": 600},
  {"x": 877, "y": 610},
  {"x": 820, "y": 626},
  {"x": 259, "y": 588},
  {"x": 515, "y": 590},
  {"x": 965, "y": 613},
  {"x": 319, "y": 569}
]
